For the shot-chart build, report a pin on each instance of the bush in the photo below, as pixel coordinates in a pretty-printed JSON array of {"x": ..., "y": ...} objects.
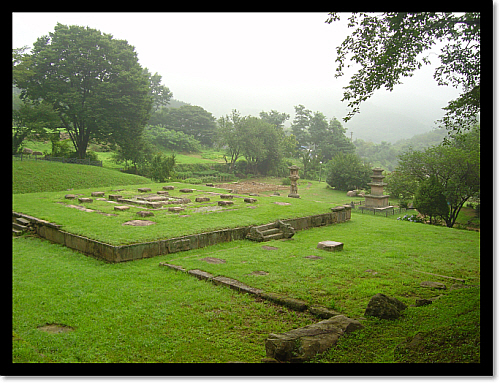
[
  {"x": 346, "y": 171},
  {"x": 411, "y": 218},
  {"x": 194, "y": 181},
  {"x": 161, "y": 167}
]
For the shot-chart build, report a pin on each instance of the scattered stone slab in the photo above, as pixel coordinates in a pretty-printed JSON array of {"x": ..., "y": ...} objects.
[
  {"x": 114, "y": 197},
  {"x": 306, "y": 342},
  {"x": 384, "y": 307},
  {"x": 101, "y": 199},
  {"x": 200, "y": 274},
  {"x": 313, "y": 257},
  {"x": 162, "y": 192},
  {"x": 175, "y": 267},
  {"x": 433, "y": 285},
  {"x": 330, "y": 246},
  {"x": 186, "y": 190},
  {"x": 225, "y": 203},
  {"x": 138, "y": 222},
  {"x": 250, "y": 200},
  {"x": 168, "y": 187},
  {"x": 236, "y": 285},
  {"x": 55, "y": 328},
  {"x": 176, "y": 209},
  {"x": 97, "y": 194},
  {"x": 202, "y": 199},
  {"x": 145, "y": 213},
  {"x": 85, "y": 200},
  {"x": 210, "y": 185},
  {"x": 322, "y": 312},
  {"x": 259, "y": 272},
  {"x": 81, "y": 208},
  {"x": 270, "y": 248},
  {"x": 226, "y": 196},
  {"x": 282, "y": 203},
  {"x": 422, "y": 302},
  {"x": 213, "y": 260},
  {"x": 144, "y": 190},
  {"x": 122, "y": 208},
  {"x": 70, "y": 196}
]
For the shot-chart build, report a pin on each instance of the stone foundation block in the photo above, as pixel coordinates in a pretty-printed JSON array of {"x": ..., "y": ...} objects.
[{"x": 330, "y": 246}]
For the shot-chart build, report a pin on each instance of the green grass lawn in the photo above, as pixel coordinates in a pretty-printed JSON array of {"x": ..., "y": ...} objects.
[
  {"x": 380, "y": 255},
  {"x": 53, "y": 207},
  {"x": 140, "y": 312},
  {"x": 45, "y": 176},
  {"x": 131, "y": 312}
]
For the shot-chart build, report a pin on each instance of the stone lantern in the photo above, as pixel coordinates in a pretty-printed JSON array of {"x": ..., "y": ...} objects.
[{"x": 294, "y": 176}]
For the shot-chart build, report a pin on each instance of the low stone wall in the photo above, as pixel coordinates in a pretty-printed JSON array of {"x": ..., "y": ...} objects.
[{"x": 115, "y": 254}]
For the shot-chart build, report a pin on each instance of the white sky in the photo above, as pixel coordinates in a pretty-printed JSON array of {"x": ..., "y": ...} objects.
[{"x": 253, "y": 62}]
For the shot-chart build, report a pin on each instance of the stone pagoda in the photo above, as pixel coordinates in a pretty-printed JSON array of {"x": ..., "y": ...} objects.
[{"x": 376, "y": 199}]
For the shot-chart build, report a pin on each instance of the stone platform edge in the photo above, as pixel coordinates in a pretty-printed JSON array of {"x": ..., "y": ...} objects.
[{"x": 123, "y": 253}]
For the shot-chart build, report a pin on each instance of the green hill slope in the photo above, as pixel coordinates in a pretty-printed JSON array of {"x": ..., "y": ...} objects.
[{"x": 44, "y": 176}]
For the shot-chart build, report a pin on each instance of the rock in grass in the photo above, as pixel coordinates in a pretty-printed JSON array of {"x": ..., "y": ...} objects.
[
  {"x": 433, "y": 285},
  {"x": 306, "y": 342},
  {"x": 384, "y": 307}
]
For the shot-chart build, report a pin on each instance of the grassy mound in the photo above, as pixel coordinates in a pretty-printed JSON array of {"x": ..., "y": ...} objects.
[{"x": 44, "y": 176}]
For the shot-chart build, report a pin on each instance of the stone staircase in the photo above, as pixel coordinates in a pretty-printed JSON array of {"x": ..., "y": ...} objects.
[
  {"x": 271, "y": 231},
  {"x": 20, "y": 226}
]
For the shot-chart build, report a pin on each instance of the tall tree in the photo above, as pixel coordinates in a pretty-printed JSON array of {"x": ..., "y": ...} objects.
[
  {"x": 274, "y": 118},
  {"x": 193, "y": 120},
  {"x": 457, "y": 171},
  {"x": 228, "y": 137},
  {"x": 318, "y": 128},
  {"x": 300, "y": 124},
  {"x": 93, "y": 81},
  {"x": 430, "y": 200},
  {"x": 160, "y": 93},
  {"x": 389, "y": 46}
]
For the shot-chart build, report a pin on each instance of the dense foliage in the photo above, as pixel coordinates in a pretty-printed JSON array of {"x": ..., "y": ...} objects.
[
  {"x": 347, "y": 172},
  {"x": 389, "y": 46},
  {"x": 455, "y": 166},
  {"x": 93, "y": 81}
]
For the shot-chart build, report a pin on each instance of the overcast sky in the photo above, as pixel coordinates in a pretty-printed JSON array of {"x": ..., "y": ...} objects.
[{"x": 253, "y": 62}]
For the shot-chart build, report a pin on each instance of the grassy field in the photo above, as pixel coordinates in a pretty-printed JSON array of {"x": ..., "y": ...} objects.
[
  {"x": 52, "y": 206},
  {"x": 45, "y": 176},
  {"x": 140, "y": 312}
]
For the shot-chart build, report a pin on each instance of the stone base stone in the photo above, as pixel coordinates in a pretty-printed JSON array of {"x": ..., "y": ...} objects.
[
  {"x": 176, "y": 209},
  {"x": 330, "y": 246},
  {"x": 293, "y": 195},
  {"x": 122, "y": 208}
]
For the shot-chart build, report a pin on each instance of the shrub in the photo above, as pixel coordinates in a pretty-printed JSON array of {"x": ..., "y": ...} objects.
[
  {"x": 411, "y": 218},
  {"x": 194, "y": 181}
]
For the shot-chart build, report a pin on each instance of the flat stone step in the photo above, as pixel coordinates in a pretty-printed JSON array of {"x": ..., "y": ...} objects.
[
  {"x": 19, "y": 227},
  {"x": 267, "y": 226},
  {"x": 22, "y": 221},
  {"x": 16, "y": 232},
  {"x": 268, "y": 232},
  {"x": 273, "y": 237}
]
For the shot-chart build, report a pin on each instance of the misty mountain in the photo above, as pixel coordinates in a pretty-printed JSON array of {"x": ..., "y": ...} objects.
[{"x": 378, "y": 123}]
